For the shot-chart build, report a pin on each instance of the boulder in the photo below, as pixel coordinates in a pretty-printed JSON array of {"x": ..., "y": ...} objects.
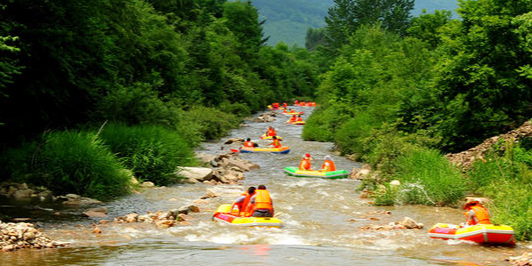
[
  {"x": 240, "y": 164},
  {"x": 92, "y": 214},
  {"x": 147, "y": 184},
  {"x": 409, "y": 223},
  {"x": 23, "y": 193},
  {"x": 395, "y": 183},
  {"x": 195, "y": 174},
  {"x": 79, "y": 201},
  {"x": 205, "y": 158},
  {"x": 234, "y": 140},
  {"x": 131, "y": 218}
]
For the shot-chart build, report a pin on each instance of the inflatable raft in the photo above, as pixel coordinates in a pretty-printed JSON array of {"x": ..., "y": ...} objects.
[
  {"x": 270, "y": 137},
  {"x": 282, "y": 150},
  {"x": 294, "y": 171},
  {"x": 480, "y": 233},
  {"x": 294, "y": 113},
  {"x": 299, "y": 123},
  {"x": 223, "y": 215}
]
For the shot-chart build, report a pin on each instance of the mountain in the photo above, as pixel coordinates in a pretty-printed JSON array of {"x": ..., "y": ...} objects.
[{"x": 288, "y": 20}]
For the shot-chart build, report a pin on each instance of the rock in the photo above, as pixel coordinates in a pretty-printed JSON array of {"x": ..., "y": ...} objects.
[
  {"x": 523, "y": 260},
  {"x": 195, "y": 174},
  {"x": 205, "y": 158},
  {"x": 409, "y": 223},
  {"x": 209, "y": 194},
  {"x": 134, "y": 181},
  {"x": 147, "y": 184},
  {"x": 234, "y": 140},
  {"x": 240, "y": 164},
  {"x": 395, "y": 183},
  {"x": 360, "y": 173},
  {"x": 23, "y": 194},
  {"x": 8, "y": 248},
  {"x": 99, "y": 209},
  {"x": 79, "y": 201},
  {"x": 18, "y": 220},
  {"x": 131, "y": 218},
  {"x": 182, "y": 217},
  {"x": 92, "y": 214}
]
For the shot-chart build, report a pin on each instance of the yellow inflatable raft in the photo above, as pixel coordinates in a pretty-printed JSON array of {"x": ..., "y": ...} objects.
[{"x": 223, "y": 215}]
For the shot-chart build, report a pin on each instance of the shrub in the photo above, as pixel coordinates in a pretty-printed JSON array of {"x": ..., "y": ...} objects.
[
  {"x": 152, "y": 152},
  {"x": 213, "y": 123},
  {"x": 78, "y": 162},
  {"x": 352, "y": 134},
  {"x": 324, "y": 122},
  {"x": 428, "y": 178}
]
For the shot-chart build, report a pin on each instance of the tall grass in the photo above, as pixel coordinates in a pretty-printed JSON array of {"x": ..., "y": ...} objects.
[
  {"x": 152, "y": 152},
  {"x": 505, "y": 176},
  {"x": 78, "y": 162},
  {"x": 212, "y": 123},
  {"x": 426, "y": 178}
]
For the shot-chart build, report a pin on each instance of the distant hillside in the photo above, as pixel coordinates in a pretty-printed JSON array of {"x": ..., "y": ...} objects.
[{"x": 288, "y": 20}]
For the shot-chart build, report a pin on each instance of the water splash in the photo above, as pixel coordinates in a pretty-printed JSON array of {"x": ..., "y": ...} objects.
[{"x": 410, "y": 187}]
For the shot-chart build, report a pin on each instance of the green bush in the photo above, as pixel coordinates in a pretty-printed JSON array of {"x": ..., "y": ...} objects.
[
  {"x": 212, "y": 123},
  {"x": 152, "y": 152},
  {"x": 427, "y": 178},
  {"x": 324, "y": 122},
  {"x": 352, "y": 134},
  {"x": 78, "y": 162},
  {"x": 238, "y": 109}
]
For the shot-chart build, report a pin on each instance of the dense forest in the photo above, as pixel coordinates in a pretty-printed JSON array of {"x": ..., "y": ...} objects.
[
  {"x": 399, "y": 91},
  {"x": 91, "y": 88},
  {"x": 287, "y": 21}
]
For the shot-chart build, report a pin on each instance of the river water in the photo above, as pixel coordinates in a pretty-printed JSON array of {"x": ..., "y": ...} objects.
[{"x": 322, "y": 223}]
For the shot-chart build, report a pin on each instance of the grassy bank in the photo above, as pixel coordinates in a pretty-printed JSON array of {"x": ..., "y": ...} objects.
[{"x": 98, "y": 161}]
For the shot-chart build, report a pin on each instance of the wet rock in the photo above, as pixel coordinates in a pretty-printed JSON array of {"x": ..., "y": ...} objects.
[
  {"x": 209, "y": 194},
  {"x": 265, "y": 118},
  {"x": 23, "y": 194},
  {"x": 92, "y": 214},
  {"x": 234, "y": 140},
  {"x": 78, "y": 201},
  {"x": 523, "y": 260},
  {"x": 195, "y": 174},
  {"x": 131, "y": 218},
  {"x": 182, "y": 217},
  {"x": 409, "y": 223},
  {"x": 96, "y": 230},
  {"x": 18, "y": 220},
  {"x": 395, "y": 183}
]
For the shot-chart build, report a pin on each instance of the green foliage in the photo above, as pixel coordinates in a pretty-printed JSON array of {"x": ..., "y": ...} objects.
[
  {"x": 505, "y": 177},
  {"x": 153, "y": 153},
  {"x": 16, "y": 163},
  {"x": 345, "y": 17},
  {"x": 213, "y": 123},
  {"x": 428, "y": 27},
  {"x": 426, "y": 178},
  {"x": 78, "y": 162}
]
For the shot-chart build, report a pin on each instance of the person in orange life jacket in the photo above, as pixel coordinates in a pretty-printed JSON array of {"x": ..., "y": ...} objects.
[
  {"x": 242, "y": 202},
  {"x": 296, "y": 101},
  {"x": 293, "y": 118},
  {"x": 271, "y": 132},
  {"x": 260, "y": 204},
  {"x": 305, "y": 162},
  {"x": 328, "y": 165},
  {"x": 476, "y": 213},
  {"x": 276, "y": 142},
  {"x": 299, "y": 119},
  {"x": 285, "y": 105},
  {"x": 250, "y": 144}
]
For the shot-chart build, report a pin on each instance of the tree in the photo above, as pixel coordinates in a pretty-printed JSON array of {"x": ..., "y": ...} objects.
[
  {"x": 315, "y": 37},
  {"x": 346, "y": 16}
]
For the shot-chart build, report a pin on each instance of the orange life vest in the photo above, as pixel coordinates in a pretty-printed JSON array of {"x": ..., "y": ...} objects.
[
  {"x": 328, "y": 166},
  {"x": 271, "y": 132},
  {"x": 481, "y": 214},
  {"x": 299, "y": 119},
  {"x": 293, "y": 118},
  {"x": 263, "y": 200},
  {"x": 304, "y": 164},
  {"x": 248, "y": 144},
  {"x": 276, "y": 143}
]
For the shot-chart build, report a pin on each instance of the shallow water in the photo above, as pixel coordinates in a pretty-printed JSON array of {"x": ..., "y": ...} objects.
[{"x": 322, "y": 223}]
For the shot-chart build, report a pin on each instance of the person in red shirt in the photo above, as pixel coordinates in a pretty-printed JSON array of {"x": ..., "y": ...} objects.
[
  {"x": 305, "y": 162},
  {"x": 242, "y": 202}
]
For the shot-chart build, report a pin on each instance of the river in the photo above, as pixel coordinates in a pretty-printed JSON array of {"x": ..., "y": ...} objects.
[{"x": 322, "y": 223}]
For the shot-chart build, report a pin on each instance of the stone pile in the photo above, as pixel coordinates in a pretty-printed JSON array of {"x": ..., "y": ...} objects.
[
  {"x": 465, "y": 159},
  {"x": 22, "y": 191},
  {"x": 161, "y": 219},
  {"x": 406, "y": 223},
  {"x": 225, "y": 169},
  {"x": 15, "y": 236},
  {"x": 523, "y": 260},
  {"x": 265, "y": 117}
]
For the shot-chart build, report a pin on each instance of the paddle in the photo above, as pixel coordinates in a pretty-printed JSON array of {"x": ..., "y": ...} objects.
[{"x": 235, "y": 150}]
